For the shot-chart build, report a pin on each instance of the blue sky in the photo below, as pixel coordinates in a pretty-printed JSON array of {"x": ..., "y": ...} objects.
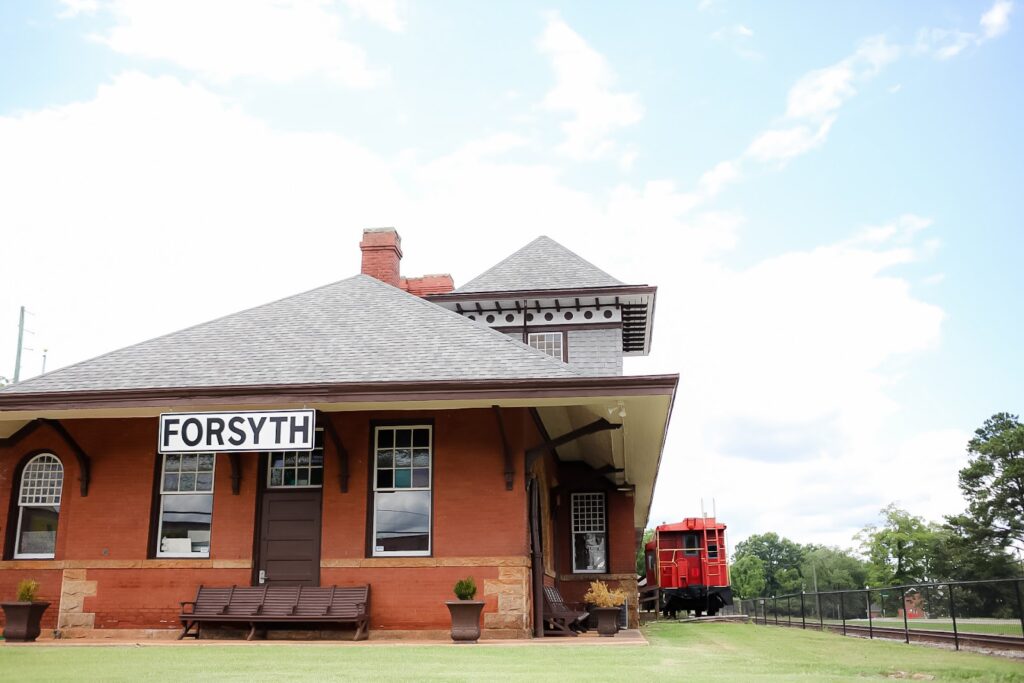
[{"x": 827, "y": 195}]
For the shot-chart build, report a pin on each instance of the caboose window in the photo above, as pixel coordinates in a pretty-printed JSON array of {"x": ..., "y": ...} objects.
[
  {"x": 401, "y": 490},
  {"x": 589, "y": 534},
  {"x": 691, "y": 545}
]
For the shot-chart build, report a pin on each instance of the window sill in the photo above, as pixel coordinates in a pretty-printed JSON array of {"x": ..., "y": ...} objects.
[{"x": 33, "y": 556}]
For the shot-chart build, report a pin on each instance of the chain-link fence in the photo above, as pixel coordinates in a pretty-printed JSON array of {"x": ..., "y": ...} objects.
[{"x": 982, "y": 613}]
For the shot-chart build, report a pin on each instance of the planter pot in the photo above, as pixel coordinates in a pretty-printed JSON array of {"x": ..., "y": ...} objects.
[
  {"x": 465, "y": 619},
  {"x": 607, "y": 620},
  {"x": 22, "y": 620}
]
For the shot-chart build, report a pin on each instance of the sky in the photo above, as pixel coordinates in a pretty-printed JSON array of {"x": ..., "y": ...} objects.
[{"x": 827, "y": 195}]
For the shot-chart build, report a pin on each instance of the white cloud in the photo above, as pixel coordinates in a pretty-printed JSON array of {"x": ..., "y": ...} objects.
[
  {"x": 996, "y": 21},
  {"x": 73, "y": 8},
  {"x": 280, "y": 40},
  {"x": 584, "y": 90},
  {"x": 943, "y": 43},
  {"x": 815, "y": 99},
  {"x": 722, "y": 174},
  {"x": 384, "y": 13},
  {"x": 782, "y": 144},
  {"x": 738, "y": 37}
]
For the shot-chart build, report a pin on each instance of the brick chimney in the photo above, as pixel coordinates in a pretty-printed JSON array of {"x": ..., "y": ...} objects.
[{"x": 382, "y": 255}]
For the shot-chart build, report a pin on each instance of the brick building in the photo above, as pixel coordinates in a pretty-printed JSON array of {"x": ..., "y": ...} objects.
[{"x": 485, "y": 431}]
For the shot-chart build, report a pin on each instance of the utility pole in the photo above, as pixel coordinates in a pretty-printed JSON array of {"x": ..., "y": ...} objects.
[{"x": 21, "y": 338}]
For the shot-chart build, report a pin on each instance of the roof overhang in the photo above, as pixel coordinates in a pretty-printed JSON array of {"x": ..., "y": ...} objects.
[
  {"x": 632, "y": 454},
  {"x": 636, "y": 303}
]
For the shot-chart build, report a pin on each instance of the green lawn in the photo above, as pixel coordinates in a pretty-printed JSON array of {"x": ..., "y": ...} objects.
[
  {"x": 694, "y": 652},
  {"x": 1006, "y": 628}
]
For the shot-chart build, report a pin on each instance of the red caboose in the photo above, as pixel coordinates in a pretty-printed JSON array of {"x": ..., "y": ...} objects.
[{"x": 687, "y": 562}]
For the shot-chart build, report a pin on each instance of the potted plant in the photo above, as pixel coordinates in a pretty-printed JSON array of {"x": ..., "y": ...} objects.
[
  {"x": 22, "y": 617},
  {"x": 606, "y": 606},
  {"x": 465, "y": 612}
]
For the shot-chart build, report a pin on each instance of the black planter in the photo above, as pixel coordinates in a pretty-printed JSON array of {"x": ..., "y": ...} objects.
[
  {"x": 465, "y": 619},
  {"x": 607, "y": 620},
  {"x": 21, "y": 620}
]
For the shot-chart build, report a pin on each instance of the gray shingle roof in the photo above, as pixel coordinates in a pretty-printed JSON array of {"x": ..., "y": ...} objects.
[
  {"x": 355, "y": 330},
  {"x": 541, "y": 264}
]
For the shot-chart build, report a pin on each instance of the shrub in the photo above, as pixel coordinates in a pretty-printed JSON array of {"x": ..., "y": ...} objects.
[
  {"x": 600, "y": 596},
  {"x": 465, "y": 589},
  {"x": 27, "y": 589}
]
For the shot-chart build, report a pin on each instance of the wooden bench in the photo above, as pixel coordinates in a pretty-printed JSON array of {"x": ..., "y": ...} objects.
[
  {"x": 562, "y": 618},
  {"x": 255, "y": 605}
]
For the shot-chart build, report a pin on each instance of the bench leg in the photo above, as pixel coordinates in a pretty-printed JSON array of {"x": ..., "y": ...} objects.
[
  {"x": 252, "y": 631},
  {"x": 362, "y": 630},
  {"x": 187, "y": 628}
]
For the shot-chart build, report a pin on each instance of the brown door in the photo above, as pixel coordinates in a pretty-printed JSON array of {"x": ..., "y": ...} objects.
[{"x": 289, "y": 547}]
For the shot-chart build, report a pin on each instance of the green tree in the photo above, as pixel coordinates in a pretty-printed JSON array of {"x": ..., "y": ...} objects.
[
  {"x": 899, "y": 550},
  {"x": 641, "y": 566},
  {"x": 747, "y": 577},
  {"x": 993, "y": 481},
  {"x": 832, "y": 568},
  {"x": 781, "y": 558}
]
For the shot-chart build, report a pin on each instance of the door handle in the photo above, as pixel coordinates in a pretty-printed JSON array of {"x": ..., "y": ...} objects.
[{"x": 263, "y": 576}]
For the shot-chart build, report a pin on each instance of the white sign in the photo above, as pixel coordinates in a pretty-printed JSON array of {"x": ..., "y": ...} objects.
[{"x": 251, "y": 430}]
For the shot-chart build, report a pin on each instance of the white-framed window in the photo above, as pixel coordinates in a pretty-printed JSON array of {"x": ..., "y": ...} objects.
[
  {"x": 589, "y": 534},
  {"x": 297, "y": 469},
  {"x": 551, "y": 343},
  {"x": 42, "y": 480},
  {"x": 402, "y": 476},
  {"x": 186, "y": 505}
]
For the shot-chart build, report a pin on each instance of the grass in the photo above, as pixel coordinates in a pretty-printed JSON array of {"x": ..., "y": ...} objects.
[
  {"x": 695, "y": 652},
  {"x": 1007, "y": 628}
]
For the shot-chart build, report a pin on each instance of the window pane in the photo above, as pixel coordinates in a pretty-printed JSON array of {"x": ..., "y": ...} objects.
[
  {"x": 277, "y": 459},
  {"x": 403, "y": 437},
  {"x": 170, "y": 482},
  {"x": 316, "y": 477},
  {"x": 385, "y": 479},
  {"x": 38, "y": 532},
  {"x": 206, "y": 462},
  {"x": 385, "y": 438},
  {"x": 421, "y": 478},
  {"x": 276, "y": 477},
  {"x": 421, "y": 438},
  {"x": 188, "y": 462},
  {"x": 403, "y": 457},
  {"x": 289, "y": 459},
  {"x": 303, "y": 458},
  {"x": 187, "y": 482},
  {"x": 589, "y": 552},
  {"x": 204, "y": 481},
  {"x": 302, "y": 477},
  {"x": 402, "y": 521},
  {"x": 403, "y": 479},
  {"x": 172, "y": 462},
  {"x": 289, "y": 477},
  {"x": 421, "y": 457},
  {"x": 185, "y": 524},
  {"x": 385, "y": 458}
]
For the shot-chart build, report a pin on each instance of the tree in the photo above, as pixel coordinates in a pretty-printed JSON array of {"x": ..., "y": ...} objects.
[
  {"x": 641, "y": 560},
  {"x": 747, "y": 576},
  {"x": 993, "y": 481},
  {"x": 833, "y": 568},
  {"x": 781, "y": 558},
  {"x": 899, "y": 550}
]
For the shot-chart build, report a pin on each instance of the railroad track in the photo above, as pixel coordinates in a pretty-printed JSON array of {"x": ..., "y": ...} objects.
[{"x": 973, "y": 640}]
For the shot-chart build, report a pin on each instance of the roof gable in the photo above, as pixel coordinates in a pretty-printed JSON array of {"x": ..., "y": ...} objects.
[
  {"x": 541, "y": 264},
  {"x": 355, "y": 330}
]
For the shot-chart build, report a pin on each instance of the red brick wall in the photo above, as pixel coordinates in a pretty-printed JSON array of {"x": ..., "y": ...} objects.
[{"x": 107, "y": 532}]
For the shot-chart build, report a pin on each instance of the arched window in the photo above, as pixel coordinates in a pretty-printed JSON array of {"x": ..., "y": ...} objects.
[{"x": 38, "y": 507}]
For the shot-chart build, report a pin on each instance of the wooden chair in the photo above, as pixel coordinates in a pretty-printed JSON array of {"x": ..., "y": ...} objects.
[{"x": 562, "y": 618}]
